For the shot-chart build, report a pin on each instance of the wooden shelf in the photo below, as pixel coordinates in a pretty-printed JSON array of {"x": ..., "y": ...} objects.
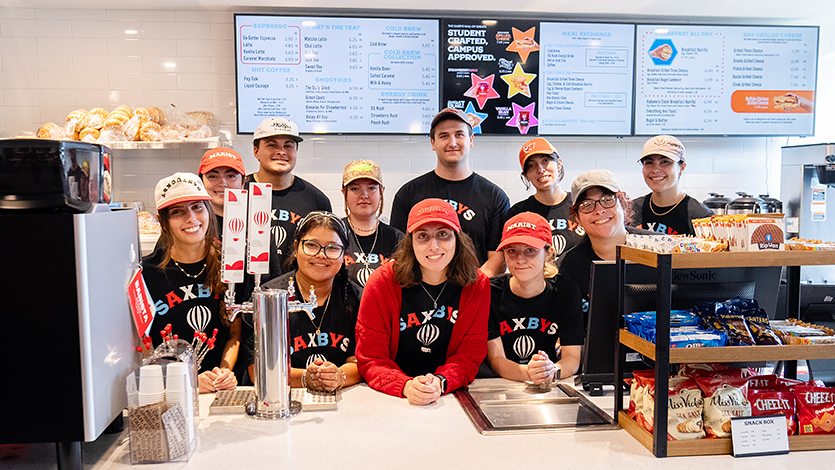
[
  {"x": 731, "y": 259},
  {"x": 716, "y": 446},
  {"x": 737, "y": 353}
]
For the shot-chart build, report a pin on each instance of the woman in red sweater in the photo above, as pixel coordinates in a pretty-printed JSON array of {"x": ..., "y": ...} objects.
[{"x": 422, "y": 326}]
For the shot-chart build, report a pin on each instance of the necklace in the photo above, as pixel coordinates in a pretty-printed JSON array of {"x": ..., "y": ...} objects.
[
  {"x": 195, "y": 276},
  {"x": 362, "y": 230},
  {"x": 364, "y": 256},
  {"x": 321, "y": 320},
  {"x": 668, "y": 210},
  {"x": 434, "y": 299}
]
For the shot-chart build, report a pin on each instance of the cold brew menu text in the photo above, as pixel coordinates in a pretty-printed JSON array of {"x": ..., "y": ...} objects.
[
  {"x": 355, "y": 75},
  {"x": 741, "y": 80}
]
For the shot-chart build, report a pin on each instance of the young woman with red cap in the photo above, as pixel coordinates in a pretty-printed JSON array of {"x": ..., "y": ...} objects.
[
  {"x": 532, "y": 308},
  {"x": 422, "y": 326},
  {"x": 183, "y": 278}
]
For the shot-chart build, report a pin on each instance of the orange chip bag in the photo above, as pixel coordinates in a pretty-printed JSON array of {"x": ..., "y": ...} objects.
[
  {"x": 772, "y": 402},
  {"x": 815, "y": 409}
]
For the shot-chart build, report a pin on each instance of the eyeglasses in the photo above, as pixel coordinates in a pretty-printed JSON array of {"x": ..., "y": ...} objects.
[
  {"x": 312, "y": 248},
  {"x": 607, "y": 202}
]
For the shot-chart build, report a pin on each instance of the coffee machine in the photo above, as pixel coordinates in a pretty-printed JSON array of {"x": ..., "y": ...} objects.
[{"x": 67, "y": 260}]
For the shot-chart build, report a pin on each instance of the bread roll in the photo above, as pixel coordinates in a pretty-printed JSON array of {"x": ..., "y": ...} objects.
[
  {"x": 95, "y": 118},
  {"x": 89, "y": 134},
  {"x": 142, "y": 112},
  {"x": 124, "y": 109},
  {"x": 48, "y": 130},
  {"x": 202, "y": 118},
  {"x": 133, "y": 125},
  {"x": 149, "y": 132},
  {"x": 75, "y": 119},
  {"x": 157, "y": 115},
  {"x": 114, "y": 121}
]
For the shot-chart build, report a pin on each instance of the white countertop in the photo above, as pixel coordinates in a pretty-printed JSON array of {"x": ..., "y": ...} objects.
[{"x": 371, "y": 430}]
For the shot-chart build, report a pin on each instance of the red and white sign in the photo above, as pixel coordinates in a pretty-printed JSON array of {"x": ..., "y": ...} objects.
[
  {"x": 234, "y": 235},
  {"x": 260, "y": 208},
  {"x": 141, "y": 304}
]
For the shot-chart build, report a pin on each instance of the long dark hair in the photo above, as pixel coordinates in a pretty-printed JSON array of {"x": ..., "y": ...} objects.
[
  {"x": 461, "y": 270},
  {"x": 211, "y": 254},
  {"x": 346, "y": 289}
]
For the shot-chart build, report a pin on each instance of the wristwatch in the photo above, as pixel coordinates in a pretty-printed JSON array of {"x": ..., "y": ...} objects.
[
  {"x": 557, "y": 372},
  {"x": 443, "y": 382}
]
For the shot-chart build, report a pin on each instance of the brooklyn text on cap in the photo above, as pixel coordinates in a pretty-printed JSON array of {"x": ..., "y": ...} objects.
[
  {"x": 447, "y": 113},
  {"x": 602, "y": 178},
  {"x": 177, "y": 188},
  {"x": 665, "y": 145},
  {"x": 359, "y": 169},
  {"x": 535, "y": 147},
  {"x": 277, "y": 126},
  {"x": 432, "y": 210},
  {"x": 221, "y": 156},
  {"x": 528, "y": 228}
]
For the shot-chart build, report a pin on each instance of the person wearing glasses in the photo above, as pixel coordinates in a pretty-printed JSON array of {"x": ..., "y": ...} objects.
[
  {"x": 536, "y": 331},
  {"x": 603, "y": 210},
  {"x": 422, "y": 326},
  {"x": 667, "y": 209},
  {"x": 322, "y": 349}
]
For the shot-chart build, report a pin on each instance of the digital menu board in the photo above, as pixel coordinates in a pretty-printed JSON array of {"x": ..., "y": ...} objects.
[
  {"x": 351, "y": 75},
  {"x": 725, "y": 80},
  {"x": 585, "y": 84},
  {"x": 490, "y": 71}
]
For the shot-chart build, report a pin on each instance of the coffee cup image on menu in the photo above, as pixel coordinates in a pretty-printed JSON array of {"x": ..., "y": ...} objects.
[{"x": 662, "y": 52}]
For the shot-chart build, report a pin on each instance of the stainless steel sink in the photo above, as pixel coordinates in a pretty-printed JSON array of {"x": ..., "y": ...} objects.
[{"x": 498, "y": 406}]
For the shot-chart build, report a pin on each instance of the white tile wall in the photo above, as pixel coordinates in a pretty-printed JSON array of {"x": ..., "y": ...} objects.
[{"x": 54, "y": 61}]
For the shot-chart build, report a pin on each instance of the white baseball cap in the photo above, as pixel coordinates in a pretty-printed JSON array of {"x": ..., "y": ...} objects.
[
  {"x": 179, "y": 187},
  {"x": 277, "y": 126}
]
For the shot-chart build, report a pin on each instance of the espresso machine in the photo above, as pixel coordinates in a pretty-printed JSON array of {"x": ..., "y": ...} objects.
[{"x": 67, "y": 260}]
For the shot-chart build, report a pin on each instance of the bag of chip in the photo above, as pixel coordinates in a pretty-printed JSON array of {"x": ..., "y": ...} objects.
[
  {"x": 684, "y": 413},
  {"x": 636, "y": 391},
  {"x": 815, "y": 409},
  {"x": 647, "y": 415},
  {"x": 772, "y": 402},
  {"x": 725, "y": 398},
  {"x": 761, "y": 381}
]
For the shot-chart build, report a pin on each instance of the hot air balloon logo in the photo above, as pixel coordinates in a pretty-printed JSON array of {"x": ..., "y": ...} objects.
[
  {"x": 427, "y": 334},
  {"x": 261, "y": 218},
  {"x": 279, "y": 234},
  {"x": 558, "y": 242},
  {"x": 313, "y": 358},
  {"x": 198, "y": 317},
  {"x": 523, "y": 346},
  {"x": 362, "y": 275},
  {"x": 236, "y": 225}
]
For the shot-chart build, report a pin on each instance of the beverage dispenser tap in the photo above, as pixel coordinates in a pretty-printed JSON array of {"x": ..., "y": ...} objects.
[{"x": 269, "y": 308}]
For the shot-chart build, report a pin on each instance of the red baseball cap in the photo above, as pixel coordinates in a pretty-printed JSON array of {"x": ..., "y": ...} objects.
[
  {"x": 221, "y": 156},
  {"x": 432, "y": 210},
  {"x": 535, "y": 147},
  {"x": 527, "y": 228}
]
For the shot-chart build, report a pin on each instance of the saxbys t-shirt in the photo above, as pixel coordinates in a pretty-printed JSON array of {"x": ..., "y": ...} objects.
[
  {"x": 185, "y": 303},
  {"x": 565, "y": 233},
  {"x": 674, "y": 220},
  {"x": 366, "y": 253},
  {"x": 289, "y": 207},
  {"x": 425, "y": 332},
  {"x": 335, "y": 339},
  {"x": 481, "y": 206},
  {"x": 530, "y": 325}
]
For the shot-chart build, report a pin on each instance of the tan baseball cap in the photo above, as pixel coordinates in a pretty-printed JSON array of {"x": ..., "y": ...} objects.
[
  {"x": 277, "y": 126},
  {"x": 179, "y": 187},
  {"x": 590, "y": 179},
  {"x": 665, "y": 145},
  {"x": 358, "y": 169}
]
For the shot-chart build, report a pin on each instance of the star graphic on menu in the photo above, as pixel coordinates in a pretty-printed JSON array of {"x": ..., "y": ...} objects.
[
  {"x": 523, "y": 43},
  {"x": 474, "y": 117},
  {"x": 523, "y": 118},
  {"x": 518, "y": 81},
  {"x": 482, "y": 89}
]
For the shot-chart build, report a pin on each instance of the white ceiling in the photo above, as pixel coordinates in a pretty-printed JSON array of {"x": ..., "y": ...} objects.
[{"x": 767, "y": 11}]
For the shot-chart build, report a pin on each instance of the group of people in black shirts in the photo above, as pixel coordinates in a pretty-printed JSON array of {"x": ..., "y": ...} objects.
[{"x": 459, "y": 284}]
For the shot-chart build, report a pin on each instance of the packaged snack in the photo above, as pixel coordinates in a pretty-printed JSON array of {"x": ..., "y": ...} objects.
[
  {"x": 691, "y": 369},
  {"x": 815, "y": 409},
  {"x": 757, "y": 321},
  {"x": 765, "y": 232},
  {"x": 771, "y": 402},
  {"x": 648, "y": 408},
  {"x": 760, "y": 382},
  {"x": 725, "y": 398},
  {"x": 636, "y": 390},
  {"x": 684, "y": 413}
]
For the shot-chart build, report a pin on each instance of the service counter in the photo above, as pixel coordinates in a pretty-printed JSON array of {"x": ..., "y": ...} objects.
[{"x": 371, "y": 430}]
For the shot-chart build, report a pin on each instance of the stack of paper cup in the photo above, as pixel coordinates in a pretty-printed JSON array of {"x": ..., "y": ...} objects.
[
  {"x": 178, "y": 390},
  {"x": 151, "y": 389},
  {"x": 133, "y": 393}
]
